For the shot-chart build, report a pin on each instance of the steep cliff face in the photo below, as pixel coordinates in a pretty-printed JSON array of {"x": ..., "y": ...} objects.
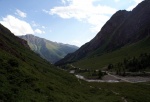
[
  {"x": 133, "y": 29},
  {"x": 123, "y": 28},
  {"x": 51, "y": 51}
]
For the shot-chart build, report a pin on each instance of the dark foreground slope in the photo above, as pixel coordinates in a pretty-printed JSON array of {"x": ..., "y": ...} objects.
[
  {"x": 123, "y": 28},
  {"x": 25, "y": 77},
  {"x": 51, "y": 51}
]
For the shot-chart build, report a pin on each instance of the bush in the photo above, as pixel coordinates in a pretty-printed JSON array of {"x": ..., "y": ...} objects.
[
  {"x": 13, "y": 62},
  {"x": 134, "y": 64}
]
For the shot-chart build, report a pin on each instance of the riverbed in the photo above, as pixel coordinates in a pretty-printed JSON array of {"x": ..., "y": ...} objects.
[{"x": 114, "y": 78}]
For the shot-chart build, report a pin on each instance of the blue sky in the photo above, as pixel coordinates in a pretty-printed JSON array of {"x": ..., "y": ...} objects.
[{"x": 66, "y": 21}]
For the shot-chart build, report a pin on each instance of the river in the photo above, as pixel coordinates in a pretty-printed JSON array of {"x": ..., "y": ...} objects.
[{"x": 113, "y": 78}]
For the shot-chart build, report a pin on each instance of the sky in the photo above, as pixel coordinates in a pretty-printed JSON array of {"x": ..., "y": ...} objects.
[{"x": 65, "y": 21}]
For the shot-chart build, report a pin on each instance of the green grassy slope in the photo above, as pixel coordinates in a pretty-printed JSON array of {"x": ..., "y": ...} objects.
[
  {"x": 96, "y": 61},
  {"x": 25, "y": 77},
  {"x": 138, "y": 92},
  {"x": 124, "y": 27},
  {"x": 51, "y": 51}
]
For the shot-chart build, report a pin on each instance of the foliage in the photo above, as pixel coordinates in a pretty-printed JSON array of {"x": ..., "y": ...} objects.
[
  {"x": 134, "y": 64},
  {"x": 101, "y": 61},
  {"x": 13, "y": 62},
  {"x": 137, "y": 92},
  {"x": 100, "y": 74},
  {"x": 26, "y": 77}
]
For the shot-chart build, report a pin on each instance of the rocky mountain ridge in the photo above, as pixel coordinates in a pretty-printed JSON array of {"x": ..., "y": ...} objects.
[
  {"x": 123, "y": 28},
  {"x": 51, "y": 51}
]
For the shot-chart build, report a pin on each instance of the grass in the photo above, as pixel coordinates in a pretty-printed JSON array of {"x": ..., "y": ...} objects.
[
  {"x": 26, "y": 77},
  {"x": 51, "y": 51},
  {"x": 138, "y": 92},
  {"x": 99, "y": 61}
]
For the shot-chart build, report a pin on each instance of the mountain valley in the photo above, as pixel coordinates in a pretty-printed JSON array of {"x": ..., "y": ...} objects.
[
  {"x": 38, "y": 70},
  {"x": 124, "y": 36}
]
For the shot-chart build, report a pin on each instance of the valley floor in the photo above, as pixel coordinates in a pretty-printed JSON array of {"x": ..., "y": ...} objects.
[
  {"x": 112, "y": 77},
  {"x": 115, "y": 78}
]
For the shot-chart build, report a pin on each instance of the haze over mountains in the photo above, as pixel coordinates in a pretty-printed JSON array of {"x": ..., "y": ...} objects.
[
  {"x": 51, "y": 51},
  {"x": 123, "y": 28}
]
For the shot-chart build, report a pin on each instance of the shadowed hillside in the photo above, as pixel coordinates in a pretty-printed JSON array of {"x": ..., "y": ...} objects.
[
  {"x": 123, "y": 28},
  {"x": 26, "y": 77}
]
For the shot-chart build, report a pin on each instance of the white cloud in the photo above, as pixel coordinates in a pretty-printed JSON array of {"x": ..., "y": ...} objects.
[
  {"x": 117, "y": 0},
  {"x": 133, "y": 6},
  {"x": 63, "y": 1},
  {"x": 97, "y": 22},
  {"x": 76, "y": 42},
  {"x": 34, "y": 24},
  {"x": 45, "y": 11},
  {"x": 79, "y": 42},
  {"x": 21, "y": 14},
  {"x": 84, "y": 11},
  {"x": 137, "y": 1},
  {"x": 38, "y": 31},
  {"x": 17, "y": 26},
  {"x": 43, "y": 27}
]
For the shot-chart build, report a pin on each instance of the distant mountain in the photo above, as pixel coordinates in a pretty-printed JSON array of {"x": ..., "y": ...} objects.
[
  {"x": 51, "y": 51},
  {"x": 26, "y": 77},
  {"x": 123, "y": 28}
]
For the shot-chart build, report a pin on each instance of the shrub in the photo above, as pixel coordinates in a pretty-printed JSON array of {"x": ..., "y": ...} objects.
[{"x": 13, "y": 62}]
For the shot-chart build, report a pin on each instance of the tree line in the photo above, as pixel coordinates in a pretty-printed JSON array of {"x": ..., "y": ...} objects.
[{"x": 134, "y": 64}]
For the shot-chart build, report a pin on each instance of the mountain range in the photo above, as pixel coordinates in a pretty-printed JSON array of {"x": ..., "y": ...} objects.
[
  {"x": 124, "y": 28},
  {"x": 26, "y": 77},
  {"x": 51, "y": 51}
]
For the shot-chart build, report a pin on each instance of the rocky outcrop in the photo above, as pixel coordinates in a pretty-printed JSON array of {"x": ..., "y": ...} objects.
[{"x": 124, "y": 27}]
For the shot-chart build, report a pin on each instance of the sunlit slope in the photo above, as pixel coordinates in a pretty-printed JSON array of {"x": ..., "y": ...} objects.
[
  {"x": 98, "y": 61},
  {"x": 51, "y": 51},
  {"x": 26, "y": 77}
]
